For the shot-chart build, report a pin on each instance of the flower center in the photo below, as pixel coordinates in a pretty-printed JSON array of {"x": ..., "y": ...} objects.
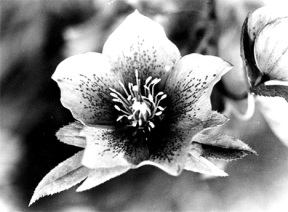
[{"x": 140, "y": 105}]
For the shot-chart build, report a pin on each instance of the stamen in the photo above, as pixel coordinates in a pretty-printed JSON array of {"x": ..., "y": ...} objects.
[
  {"x": 120, "y": 117},
  {"x": 135, "y": 88},
  {"x": 150, "y": 97},
  {"x": 130, "y": 86},
  {"x": 122, "y": 85},
  {"x": 158, "y": 94},
  {"x": 158, "y": 113},
  {"x": 119, "y": 109},
  {"x": 136, "y": 75},
  {"x": 162, "y": 97},
  {"x": 148, "y": 80},
  {"x": 119, "y": 95},
  {"x": 114, "y": 95},
  {"x": 154, "y": 82},
  {"x": 151, "y": 124}
]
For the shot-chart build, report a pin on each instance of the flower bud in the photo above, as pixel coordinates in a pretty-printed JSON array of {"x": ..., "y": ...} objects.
[{"x": 265, "y": 45}]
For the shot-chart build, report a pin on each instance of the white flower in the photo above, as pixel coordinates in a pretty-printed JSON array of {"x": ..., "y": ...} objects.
[{"x": 138, "y": 103}]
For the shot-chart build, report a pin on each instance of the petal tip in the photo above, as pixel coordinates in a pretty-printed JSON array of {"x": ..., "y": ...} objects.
[
  {"x": 223, "y": 173},
  {"x": 136, "y": 12}
]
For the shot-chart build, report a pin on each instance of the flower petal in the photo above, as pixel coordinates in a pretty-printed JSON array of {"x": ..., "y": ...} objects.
[
  {"x": 202, "y": 165},
  {"x": 84, "y": 81},
  {"x": 271, "y": 49},
  {"x": 99, "y": 176},
  {"x": 140, "y": 43},
  {"x": 262, "y": 16},
  {"x": 70, "y": 134},
  {"x": 190, "y": 85},
  {"x": 275, "y": 111},
  {"x": 253, "y": 25},
  {"x": 104, "y": 149},
  {"x": 173, "y": 145}
]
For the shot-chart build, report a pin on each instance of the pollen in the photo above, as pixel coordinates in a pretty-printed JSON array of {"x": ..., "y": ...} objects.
[{"x": 140, "y": 105}]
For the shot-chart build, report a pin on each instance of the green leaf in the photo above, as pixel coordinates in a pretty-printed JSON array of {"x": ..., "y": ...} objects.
[
  {"x": 221, "y": 147},
  {"x": 70, "y": 134},
  {"x": 271, "y": 91},
  {"x": 62, "y": 177}
]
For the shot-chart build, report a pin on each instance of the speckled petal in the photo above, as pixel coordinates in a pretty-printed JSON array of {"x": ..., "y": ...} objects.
[
  {"x": 190, "y": 84},
  {"x": 140, "y": 43},
  {"x": 271, "y": 49},
  {"x": 172, "y": 155},
  {"x": 84, "y": 81},
  {"x": 103, "y": 148}
]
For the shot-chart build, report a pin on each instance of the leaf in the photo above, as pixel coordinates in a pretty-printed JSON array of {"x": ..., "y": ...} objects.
[
  {"x": 62, "y": 177},
  {"x": 99, "y": 176},
  {"x": 221, "y": 147},
  {"x": 197, "y": 163},
  {"x": 271, "y": 91},
  {"x": 70, "y": 134},
  {"x": 216, "y": 119}
]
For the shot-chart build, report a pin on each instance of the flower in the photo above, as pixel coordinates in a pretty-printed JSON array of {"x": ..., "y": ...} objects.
[
  {"x": 138, "y": 103},
  {"x": 264, "y": 46},
  {"x": 265, "y": 54}
]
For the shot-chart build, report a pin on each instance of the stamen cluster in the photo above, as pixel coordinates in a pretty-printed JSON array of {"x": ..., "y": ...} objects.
[{"x": 141, "y": 105}]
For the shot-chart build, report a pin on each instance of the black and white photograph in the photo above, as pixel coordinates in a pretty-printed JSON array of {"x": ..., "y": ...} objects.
[{"x": 143, "y": 105}]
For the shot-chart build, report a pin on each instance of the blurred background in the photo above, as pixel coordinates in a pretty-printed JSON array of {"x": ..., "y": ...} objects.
[{"x": 36, "y": 35}]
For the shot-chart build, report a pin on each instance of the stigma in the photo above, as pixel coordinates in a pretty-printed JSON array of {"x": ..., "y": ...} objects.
[{"x": 140, "y": 105}]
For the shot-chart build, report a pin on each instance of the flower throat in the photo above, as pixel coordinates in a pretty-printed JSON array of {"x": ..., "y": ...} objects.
[{"x": 141, "y": 106}]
